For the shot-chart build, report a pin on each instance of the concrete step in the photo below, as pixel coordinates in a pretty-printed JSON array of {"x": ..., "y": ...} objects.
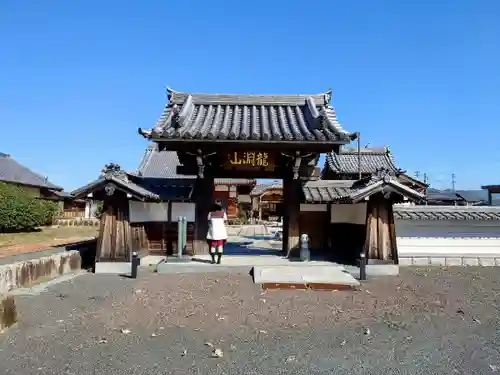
[{"x": 304, "y": 274}]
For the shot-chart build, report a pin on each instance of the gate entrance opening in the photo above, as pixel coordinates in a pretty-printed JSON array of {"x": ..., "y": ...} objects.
[{"x": 214, "y": 140}]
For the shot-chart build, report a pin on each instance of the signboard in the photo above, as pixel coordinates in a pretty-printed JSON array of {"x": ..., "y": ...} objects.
[{"x": 249, "y": 160}]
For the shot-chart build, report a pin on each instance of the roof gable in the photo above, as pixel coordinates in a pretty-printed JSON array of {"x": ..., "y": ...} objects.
[
  {"x": 353, "y": 191},
  {"x": 13, "y": 172},
  {"x": 143, "y": 189}
]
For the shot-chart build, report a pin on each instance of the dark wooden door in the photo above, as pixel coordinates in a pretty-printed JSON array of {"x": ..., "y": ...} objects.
[{"x": 314, "y": 224}]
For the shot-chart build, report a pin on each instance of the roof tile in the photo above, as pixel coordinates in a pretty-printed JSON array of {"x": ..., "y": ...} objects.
[
  {"x": 372, "y": 159},
  {"x": 446, "y": 213}
]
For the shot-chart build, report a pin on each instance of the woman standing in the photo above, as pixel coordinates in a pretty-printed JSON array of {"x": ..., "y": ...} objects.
[{"x": 217, "y": 232}]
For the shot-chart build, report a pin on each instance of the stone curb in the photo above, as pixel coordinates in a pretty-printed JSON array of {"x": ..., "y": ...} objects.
[{"x": 28, "y": 273}]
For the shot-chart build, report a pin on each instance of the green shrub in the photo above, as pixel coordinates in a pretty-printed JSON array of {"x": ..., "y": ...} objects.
[
  {"x": 99, "y": 211},
  {"x": 47, "y": 210},
  {"x": 20, "y": 211}
]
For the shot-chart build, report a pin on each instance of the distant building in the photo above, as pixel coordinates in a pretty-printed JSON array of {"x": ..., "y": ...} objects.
[
  {"x": 12, "y": 172},
  {"x": 493, "y": 190},
  {"x": 347, "y": 165}
]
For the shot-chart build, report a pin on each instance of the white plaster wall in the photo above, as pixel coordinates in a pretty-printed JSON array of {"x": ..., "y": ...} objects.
[
  {"x": 447, "y": 246},
  {"x": 349, "y": 213},
  {"x": 90, "y": 209},
  {"x": 183, "y": 209},
  {"x": 313, "y": 207},
  {"x": 448, "y": 242},
  {"x": 141, "y": 212}
]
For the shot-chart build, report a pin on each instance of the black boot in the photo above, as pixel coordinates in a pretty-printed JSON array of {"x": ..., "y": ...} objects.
[
  {"x": 219, "y": 256},
  {"x": 213, "y": 257}
]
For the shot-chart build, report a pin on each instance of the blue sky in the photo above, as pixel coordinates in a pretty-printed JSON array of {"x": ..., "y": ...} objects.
[{"x": 77, "y": 78}]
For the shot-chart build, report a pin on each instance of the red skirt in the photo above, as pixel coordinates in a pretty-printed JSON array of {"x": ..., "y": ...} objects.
[{"x": 215, "y": 243}]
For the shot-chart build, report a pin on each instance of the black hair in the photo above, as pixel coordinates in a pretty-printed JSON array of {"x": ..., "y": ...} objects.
[{"x": 217, "y": 205}]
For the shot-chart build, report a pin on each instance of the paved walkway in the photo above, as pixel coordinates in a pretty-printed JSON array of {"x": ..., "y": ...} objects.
[{"x": 253, "y": 231}]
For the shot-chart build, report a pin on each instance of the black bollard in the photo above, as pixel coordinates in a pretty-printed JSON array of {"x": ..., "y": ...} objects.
[
  {"x": 362, "y": 266},
  {"x": 135, "y": 264}
]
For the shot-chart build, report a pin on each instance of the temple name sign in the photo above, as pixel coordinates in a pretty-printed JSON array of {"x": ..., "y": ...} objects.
[{"x": 249, "y": 160}]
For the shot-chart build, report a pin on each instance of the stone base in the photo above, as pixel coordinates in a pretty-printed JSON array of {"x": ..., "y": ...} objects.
[
  {"x": 484, "y": 260},
  {"x": 113, "y": 268},
  {"x": 305, "y": 275}
]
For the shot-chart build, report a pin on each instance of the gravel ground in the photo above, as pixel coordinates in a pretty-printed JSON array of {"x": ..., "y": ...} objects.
[{"x": 427, "y": 321}]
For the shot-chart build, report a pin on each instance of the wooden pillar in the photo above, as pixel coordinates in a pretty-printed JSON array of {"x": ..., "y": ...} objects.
[
  {"x": 115, "y": 235},
  {"x": 370, "y": 231},
  {"x": 204, "y": 201},
  {"x": 327, "y": 238},
  {"x": 380, "y": 242},
  {"x": 291, "y": 198},
  {"x": 392, "y": 234}
]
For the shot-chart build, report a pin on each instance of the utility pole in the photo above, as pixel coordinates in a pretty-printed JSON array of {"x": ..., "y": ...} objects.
[
  {"x": 417, "y": 174},
  {"x": 453, "y": 181},
  {"x": 425, "y": 178}
]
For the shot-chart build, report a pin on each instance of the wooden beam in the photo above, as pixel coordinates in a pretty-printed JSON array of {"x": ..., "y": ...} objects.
[
  {"x": 291, "y": 202},
  {"x": 203, "y": 197}
]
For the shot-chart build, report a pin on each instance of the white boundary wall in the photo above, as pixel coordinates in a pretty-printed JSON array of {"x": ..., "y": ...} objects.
[
  {"x": 452, "y": 251},
  {"x": 449, "y": 242}
]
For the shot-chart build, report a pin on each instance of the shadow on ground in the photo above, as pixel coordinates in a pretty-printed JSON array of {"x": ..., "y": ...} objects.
[{"x": 235, "y": 248}]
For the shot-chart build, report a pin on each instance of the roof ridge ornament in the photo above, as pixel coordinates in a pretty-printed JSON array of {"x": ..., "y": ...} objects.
[
  {"x": 170, "y": 92},
  {"x": 328, "y": 96},
  {"x": 384, "y": 174},
  {"x": 114, "y": 170}
]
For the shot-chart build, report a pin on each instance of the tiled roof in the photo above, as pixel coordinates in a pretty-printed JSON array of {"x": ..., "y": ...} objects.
[
  {"x": 142, "y": 188},
  {"x": 346, "y": 161},
  {"x": 386, "y": 184},
  {"x": 163, "y": 164},
  {"x": 446, "y": 213},
  {"x": 160, "y": 164},
  {"x": 323, "y": 191},
  {"x": 444, "y": 196},
  {"x": 13, "y": 172},
  {"x": 260, "y": 188},
  {"x": 122, "y": 184},
  {"x": 302, "y": 118}
]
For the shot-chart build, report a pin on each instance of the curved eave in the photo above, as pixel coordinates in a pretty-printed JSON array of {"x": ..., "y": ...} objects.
[
  {"x": 387, "y": 185},
  {"x": 100, "y": 184}
]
